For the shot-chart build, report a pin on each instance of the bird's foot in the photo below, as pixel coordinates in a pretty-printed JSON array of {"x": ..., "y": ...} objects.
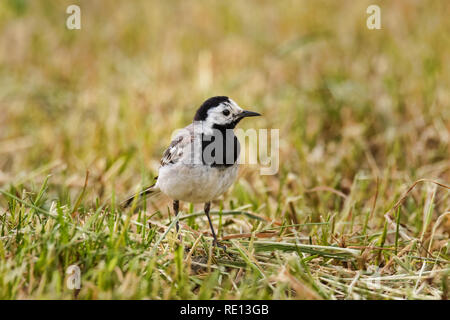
[{"x": 219, "y": 245}]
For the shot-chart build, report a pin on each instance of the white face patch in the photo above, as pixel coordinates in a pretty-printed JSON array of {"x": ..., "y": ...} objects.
[{"x": 223, "y": 113}]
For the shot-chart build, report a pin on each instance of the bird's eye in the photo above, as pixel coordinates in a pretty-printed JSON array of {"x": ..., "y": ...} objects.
[{"x": 226, "y": 112}]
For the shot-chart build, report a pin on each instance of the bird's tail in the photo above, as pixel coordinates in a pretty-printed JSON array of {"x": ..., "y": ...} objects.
[{"x": 152, "y": 190}]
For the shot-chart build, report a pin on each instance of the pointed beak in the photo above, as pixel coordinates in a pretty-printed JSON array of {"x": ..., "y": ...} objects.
[{"x": 246, "y": 113}]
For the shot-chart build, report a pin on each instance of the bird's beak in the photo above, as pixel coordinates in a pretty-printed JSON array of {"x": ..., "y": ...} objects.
[{"x": 246, "y": 113}]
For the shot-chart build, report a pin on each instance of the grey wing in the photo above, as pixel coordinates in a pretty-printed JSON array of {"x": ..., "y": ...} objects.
[{"x": 177, "y": 147}]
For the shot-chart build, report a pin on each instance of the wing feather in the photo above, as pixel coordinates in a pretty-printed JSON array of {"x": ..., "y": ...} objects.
[{"x": 177, "y": 147}]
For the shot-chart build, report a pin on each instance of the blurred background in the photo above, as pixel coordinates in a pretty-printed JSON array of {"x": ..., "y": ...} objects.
[{"x": 346, "y": 99}]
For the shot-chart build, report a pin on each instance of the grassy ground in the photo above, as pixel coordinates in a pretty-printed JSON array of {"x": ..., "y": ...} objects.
[{"x": 362, "y": 114}]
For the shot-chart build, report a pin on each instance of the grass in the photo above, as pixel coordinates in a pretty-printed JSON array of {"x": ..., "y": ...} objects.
[{"x": 359, "y": 208}]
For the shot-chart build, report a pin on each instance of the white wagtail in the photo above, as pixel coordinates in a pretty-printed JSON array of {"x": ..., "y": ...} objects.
[{"x": 201, "y": 161}]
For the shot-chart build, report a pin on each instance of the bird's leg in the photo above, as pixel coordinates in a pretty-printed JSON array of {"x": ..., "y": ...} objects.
[
  {"x": 215, "y": 242},
  {"x": 176, "y": 208}
]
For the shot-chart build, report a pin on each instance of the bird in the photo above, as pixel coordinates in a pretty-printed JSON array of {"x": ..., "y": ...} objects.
[{"x": 201, "y": 162}]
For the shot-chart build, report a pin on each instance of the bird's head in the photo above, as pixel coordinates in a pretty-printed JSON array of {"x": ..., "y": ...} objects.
[{"x": 222, "y": 112}]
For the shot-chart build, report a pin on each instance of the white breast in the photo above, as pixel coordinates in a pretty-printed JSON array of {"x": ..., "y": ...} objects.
[{"x": 195, "y": 183}]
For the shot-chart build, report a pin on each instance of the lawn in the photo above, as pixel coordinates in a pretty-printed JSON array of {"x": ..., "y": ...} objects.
[{"x": 358, "y": 209}]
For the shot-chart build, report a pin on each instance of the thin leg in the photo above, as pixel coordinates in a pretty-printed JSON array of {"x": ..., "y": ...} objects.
[
  {"x": 215, "y": 242},
  {"x": 176, "y": 208}
]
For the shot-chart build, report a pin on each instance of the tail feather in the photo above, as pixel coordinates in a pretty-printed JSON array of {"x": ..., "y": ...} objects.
[{"x": 149, "y": 190}]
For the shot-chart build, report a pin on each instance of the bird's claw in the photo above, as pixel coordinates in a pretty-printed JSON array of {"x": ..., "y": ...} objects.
[{"x": 219, "y": 245}]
